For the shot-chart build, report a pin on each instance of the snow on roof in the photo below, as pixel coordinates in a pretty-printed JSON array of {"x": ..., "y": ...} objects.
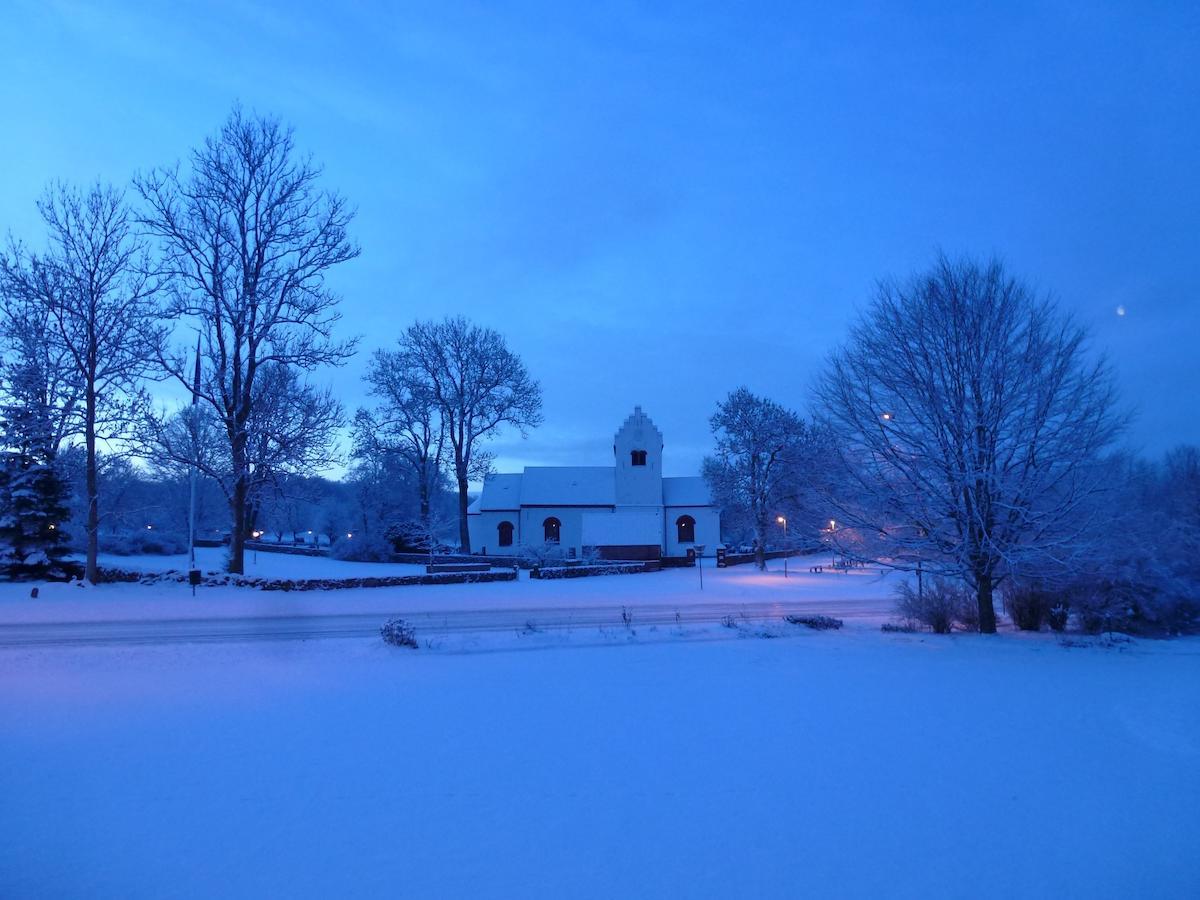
[
  {"x": 501, "y": 492},
  {"x": 625, "y": 527},
  {"x": 568, "y": 486},
  {"x": 476, "y": 506},
  {"x": 689, "y": 490}
]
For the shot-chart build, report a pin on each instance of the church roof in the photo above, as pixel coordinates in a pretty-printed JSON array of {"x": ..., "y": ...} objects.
[
  {"x": 568, "y": 486},
  {"x": 689, "y": 490},
  {"x": 501, "y": 492}
]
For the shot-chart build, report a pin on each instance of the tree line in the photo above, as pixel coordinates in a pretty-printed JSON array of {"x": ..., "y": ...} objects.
[
  {"x": 967, "y": 431},
  {"x": 233, "y": 248},
  {"x": 964, "y": 429}
]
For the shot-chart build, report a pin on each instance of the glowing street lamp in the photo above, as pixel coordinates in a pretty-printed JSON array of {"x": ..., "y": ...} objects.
[{"x": 782, "y": 520}]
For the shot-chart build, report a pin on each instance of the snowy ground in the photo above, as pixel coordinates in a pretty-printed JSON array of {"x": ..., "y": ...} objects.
[
  {"x": 261, "y": 564},
  {"x": 851, "y": 594},
  {"x": 672, "y": 762}
]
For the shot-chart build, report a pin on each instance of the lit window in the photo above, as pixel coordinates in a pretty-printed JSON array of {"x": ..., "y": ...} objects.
[{"x": 686, "y": 527}]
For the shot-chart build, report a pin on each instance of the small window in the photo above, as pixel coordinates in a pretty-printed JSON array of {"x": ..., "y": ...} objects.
[
  {"x": 638, "y": 457},
  {"x": 552, "y": 528},
  {"x": 506, "y": 533},
  {"x": 686, "y": 528}
]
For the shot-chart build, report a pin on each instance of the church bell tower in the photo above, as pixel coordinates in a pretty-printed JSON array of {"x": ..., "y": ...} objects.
[{"x": 638, "y": 447}]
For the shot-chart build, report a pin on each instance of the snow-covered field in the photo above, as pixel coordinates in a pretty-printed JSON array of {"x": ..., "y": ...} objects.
[
  {"x": 261, "y": 564},
  {"x": 704, "y": 763},
  {"x": 507, "y": 758},
  {"x": 855, "y": 593}
]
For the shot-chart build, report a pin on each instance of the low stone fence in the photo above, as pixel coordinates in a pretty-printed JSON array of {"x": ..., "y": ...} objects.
[
  {"x": 633, "y": 568},
  {"x": 291, "y": 549},
  {"x": 739, "y": 559},
  {"x": 307, "y": 584}
]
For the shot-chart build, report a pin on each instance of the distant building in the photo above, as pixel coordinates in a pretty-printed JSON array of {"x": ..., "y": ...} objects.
[{"x": 625, "y": 511}]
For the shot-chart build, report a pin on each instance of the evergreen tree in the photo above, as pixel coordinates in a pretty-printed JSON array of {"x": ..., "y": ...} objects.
[{"x": 33, "y": 495}]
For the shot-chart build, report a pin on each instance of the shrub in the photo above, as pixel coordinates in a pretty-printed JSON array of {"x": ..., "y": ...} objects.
[
  {"x": 1135, "y": 606},
  {"x": 1058, "y": 612},
  {"x": 939, "y": 606},
  {"x": 399, "y": 633},
  {"x": 145, "y": 542},
  {"x": 1026, "y": 604},
  {"x": 362, "y": 548},
  {"x": 900, "y": 628},
  {"x": 543, "y": 555},
  {"x": 819, "y": 623}
]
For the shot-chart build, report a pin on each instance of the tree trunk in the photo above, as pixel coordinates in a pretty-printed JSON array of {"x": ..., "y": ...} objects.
[
  {"x": 464, "y": 534},
  {"x": 237, "y": 539},
  {"x": 424, "y": 498},
  {"x": 760, "y": 547},
  {"x": 987, "y": 612},
  {"x": 91, "y": 570}
]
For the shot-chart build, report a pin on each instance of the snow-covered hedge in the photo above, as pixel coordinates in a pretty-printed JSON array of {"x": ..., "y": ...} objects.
[
  {"x": 817, "y": 623},
  {"x": 310, "y": 584},
  {"x": 143, "y": 543},
  {"x": 548, "y": 572}
]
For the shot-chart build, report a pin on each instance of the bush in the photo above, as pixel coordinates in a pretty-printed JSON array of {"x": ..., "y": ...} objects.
[
  {"x": 145, "y": 542},
  {"x": 819, "y": 623},
  {"x": 901, "y": 628},
  {"x": 399, "y": 633},
  {"x": 940, "y": 605},
  {"x": 1025, "y": 604},
  {"x": 542, "y": 555},
  {"x": 1136, "y": 607},
  {"x": 362, "y": 548},
  {"x": 1057, "y": 613}
]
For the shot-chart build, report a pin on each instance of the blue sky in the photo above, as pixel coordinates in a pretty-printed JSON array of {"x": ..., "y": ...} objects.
[{"x": 658, "y": 202}]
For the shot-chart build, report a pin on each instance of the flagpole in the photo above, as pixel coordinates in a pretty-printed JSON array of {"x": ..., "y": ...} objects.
[{"x": 193, "y": 573}]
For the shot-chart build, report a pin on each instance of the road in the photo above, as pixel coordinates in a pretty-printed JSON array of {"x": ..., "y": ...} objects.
[{"x": 439, "y": 622}]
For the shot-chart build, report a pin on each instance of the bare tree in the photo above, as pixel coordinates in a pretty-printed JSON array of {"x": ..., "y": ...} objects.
[
  {"x": 408, "y": 423},
  {"x": 246, "y": 242},
  {"x": 754, "y": 472},
  {"x": 971, "y": 418},
  {"x": 479, "y": 386},
  {"x": 291, "y": 432},
  {"x": 94, "y": 284},
  {"x": 29, "y": 343}
]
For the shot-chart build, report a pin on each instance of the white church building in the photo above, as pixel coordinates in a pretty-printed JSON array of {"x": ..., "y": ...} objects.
[{"x": 624, "y": 511}]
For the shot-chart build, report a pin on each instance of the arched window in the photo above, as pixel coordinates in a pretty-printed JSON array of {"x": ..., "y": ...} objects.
[
  {"x": 552, "y": 527},
  {"x": 506, "y": 530},
  {"x": 637, "y": 457},
  {"x": 686, "y": 527}
]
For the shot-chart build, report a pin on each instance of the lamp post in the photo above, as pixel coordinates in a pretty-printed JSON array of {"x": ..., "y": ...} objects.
[{"x": 782, "y": 520}]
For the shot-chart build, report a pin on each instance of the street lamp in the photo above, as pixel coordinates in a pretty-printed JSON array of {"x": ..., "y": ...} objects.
[{"x": 782, "y": 520}]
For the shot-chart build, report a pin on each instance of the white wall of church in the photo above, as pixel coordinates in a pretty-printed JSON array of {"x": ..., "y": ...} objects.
[
  {"x": 533, "y": 521},
  {"x": 708, "y": 529},
  {"x": 485, "y": 532}
]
